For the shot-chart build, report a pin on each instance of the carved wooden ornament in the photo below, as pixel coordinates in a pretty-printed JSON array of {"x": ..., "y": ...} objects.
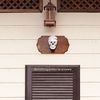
[{"x": 44, "y": 48}]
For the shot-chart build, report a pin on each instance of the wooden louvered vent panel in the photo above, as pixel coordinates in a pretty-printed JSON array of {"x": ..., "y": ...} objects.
[
  {"x": 78, "y": 5},
  {"x": 52, "y": 83},
  {"x": 21, "y": 5}
]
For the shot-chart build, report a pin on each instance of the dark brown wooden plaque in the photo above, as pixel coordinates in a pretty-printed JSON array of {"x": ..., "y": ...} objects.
[
  {"x": 61, "y": 48},
  {"x": 52, "y": 82}
]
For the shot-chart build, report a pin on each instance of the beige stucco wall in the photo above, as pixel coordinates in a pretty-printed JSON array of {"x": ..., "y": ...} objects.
[{"x": 19, "y": 33}]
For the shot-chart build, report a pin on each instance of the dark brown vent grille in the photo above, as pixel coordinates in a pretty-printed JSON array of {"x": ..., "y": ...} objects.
[
  {"x": 52, "y": 83},
  {"x": 78, "y": 5},
  {"x": 21, "y": 5}
]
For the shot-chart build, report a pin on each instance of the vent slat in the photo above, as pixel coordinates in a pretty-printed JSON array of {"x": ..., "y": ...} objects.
[
  {"x": 55, "y": 92},
  {"x": 52, "y": 97},
  {"x": 52, "y": 94},
  {"x": 50, "y": 88},
  {"x": 53, "y": 79},
  {"x": 53, "y": 84},
  {"x": 53, "y": 76}
]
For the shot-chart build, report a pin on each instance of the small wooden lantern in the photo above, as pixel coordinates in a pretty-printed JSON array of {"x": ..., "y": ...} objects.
[{"x": 49, "y": 12}]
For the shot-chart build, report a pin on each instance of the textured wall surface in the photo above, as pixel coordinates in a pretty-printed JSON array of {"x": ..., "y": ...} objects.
[{"x": 19, "y": 33}]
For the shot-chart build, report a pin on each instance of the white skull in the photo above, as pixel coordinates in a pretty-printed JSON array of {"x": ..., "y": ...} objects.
[{"x": 52, "y": 40}]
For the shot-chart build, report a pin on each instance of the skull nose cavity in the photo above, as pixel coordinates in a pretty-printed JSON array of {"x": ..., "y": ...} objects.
[{"x": 52, "y": 43}]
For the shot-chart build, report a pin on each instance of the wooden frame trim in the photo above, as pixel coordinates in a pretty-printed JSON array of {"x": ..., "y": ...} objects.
[
  {"x": 29, "y": 69},
  {"x": 20, "y": 10},
  {"x": 87, "y": 6}
]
